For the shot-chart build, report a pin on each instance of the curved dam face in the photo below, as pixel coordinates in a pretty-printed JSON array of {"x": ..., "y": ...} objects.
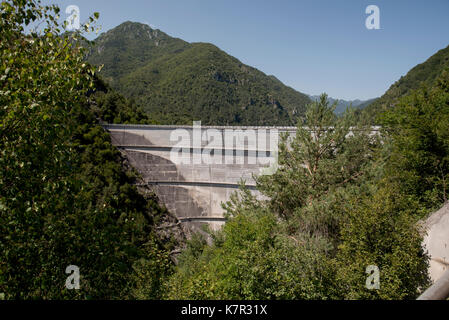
[
  {"x": 194, "y": 169},
  {"x": 436, "y": 242}
]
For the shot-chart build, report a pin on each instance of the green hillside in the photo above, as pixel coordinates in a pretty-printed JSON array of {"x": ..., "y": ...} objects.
[
  {"x": 177, "y": 82},
  {"x": 67, "y": 196},
  {"x": 129, "y": 47},
  {"x": 424, "y": 73}
]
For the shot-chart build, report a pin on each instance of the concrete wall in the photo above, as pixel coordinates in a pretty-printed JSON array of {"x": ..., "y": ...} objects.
[
  {"x": 194, "y": 190},
  {"x": 436, "y": 242}
]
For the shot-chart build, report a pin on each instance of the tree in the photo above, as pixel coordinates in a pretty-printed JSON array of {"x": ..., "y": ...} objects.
[
  {"x": 419, "y": 129},
  {"x": 250, "y": 259},
  {"x": 329, "y": 213},
  {"x": 64, "y": 196},
  {"x": 382, "y": 231},
  {"x": 284, "y": 247},
  {"x": 382, "y": 228}
]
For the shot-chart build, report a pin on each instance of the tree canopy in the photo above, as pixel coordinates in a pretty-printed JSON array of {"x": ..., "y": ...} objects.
[
  {"x": 328, "y": 216},
  {"x": 65, "y": 197}
]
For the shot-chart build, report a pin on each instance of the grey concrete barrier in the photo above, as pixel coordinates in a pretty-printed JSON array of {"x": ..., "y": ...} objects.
[{"x": 439, "y": 290}]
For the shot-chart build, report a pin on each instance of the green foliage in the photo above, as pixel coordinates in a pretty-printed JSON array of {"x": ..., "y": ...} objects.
[
  {"x": 150, "y": 273},
  {"x": 176, "y": 82},
  {"x": 320, "y": 158},
  {"x": 381, "y": 231},
  {"x": 419, "y": 129},
  {"x": 130, "y": 46},
  {"x": 64, "y": 196},
  {"x": 111, "y": 107},
  {"x": 340, "y": 200},
  {"x": 249, "y": 260},
  {"x": 325, "y": 219}
]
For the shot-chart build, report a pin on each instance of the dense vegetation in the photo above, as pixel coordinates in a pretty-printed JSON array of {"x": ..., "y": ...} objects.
[
  {"x": 419, "y": 129},
  {"x": 176, "y": 82},
  {"x": 425, "y": 73},
  {"x": 338, "y": 203},
  {"x": 336, "y": 206},
  {"x": 109, "y": 106},
  {"x": 65, "y": 197}
]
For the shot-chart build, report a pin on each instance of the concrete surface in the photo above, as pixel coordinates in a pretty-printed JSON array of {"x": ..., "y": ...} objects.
[{"x": 436, "y": 242}]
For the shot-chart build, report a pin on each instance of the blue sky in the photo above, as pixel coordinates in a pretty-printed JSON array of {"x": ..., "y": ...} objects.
[{"x": 313, "y": 46}]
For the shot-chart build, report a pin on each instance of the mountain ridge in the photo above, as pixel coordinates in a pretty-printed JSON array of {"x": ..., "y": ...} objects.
[
  {"x": 342, "y": 104},
  {"x": 423, "y": 73},
  {"x": 177, "y": 82}
]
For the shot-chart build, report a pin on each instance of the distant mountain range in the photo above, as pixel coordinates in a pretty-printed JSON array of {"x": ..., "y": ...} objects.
[
  {"x": 177, "y": 82},
  {"x": 343, "y": 104}
]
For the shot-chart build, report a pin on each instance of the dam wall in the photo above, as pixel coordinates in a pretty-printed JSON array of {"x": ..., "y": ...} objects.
[{"x": 193, "y": 169}]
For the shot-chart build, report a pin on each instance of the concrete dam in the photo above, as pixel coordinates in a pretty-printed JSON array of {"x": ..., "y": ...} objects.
[{"x": 193, "y": 169}]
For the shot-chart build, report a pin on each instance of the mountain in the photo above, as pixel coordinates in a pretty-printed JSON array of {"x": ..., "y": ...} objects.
[
  {"x": 424, "y": 73},
  {"x": 177, "y": 82},
  {"x": 343, "y": 104}
]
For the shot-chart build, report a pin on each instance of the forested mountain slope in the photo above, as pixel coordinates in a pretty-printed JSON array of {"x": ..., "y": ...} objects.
[
  {"x": 424, "y": 73},
  {"x": 177, "y": 82},
  {"x": 67, "y": 196}
]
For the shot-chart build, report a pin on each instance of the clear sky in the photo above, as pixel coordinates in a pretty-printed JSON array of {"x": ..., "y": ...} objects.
[{"x": 313, "y": 46}]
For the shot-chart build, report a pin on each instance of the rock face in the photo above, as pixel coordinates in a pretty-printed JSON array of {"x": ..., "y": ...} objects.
[{"x": 436, "y": 242}]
